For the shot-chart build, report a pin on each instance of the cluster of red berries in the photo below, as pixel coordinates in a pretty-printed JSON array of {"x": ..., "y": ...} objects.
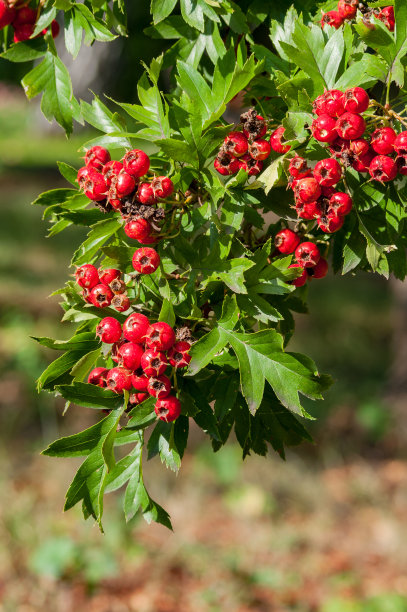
[
  {"x": 23, "y": 19},
  {"x": 347, "y": 10},
  {"x": 143, "y": 351},
  {"x": 307, "y": 255},
  {"x": 116, "y": 185}
]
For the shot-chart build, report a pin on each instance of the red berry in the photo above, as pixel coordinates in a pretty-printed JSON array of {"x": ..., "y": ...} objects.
[
  {"x": 350, "y": 126},
  {"x": 400, "y": 144},
  {"x": 98, "y": 377},
  {"x": 87, "y": 276},
  {"x": 298, "y": 167},
  {"x": 118, "y": 380},
  {"x": 111, "y": 169},
  {"x": 109, "y": 330},
  {"x": 86, "y": 295},
  {"x": 259, "y": 149},
  {"x": 307, "y": 254},
  {"x": 356, "y": 100},
  {"x": 323, "y": 129},
  {"x": 362, "y": 163},
  {"x": 252, "y": 166},
  {"x": 331, "y": 18},
  {"x": 55, "y": 28},
  {"x": 137, "y": 398},
  {"x": 347, "y": 9},
  {"x": 25, "y": 15},
  {"x": 359, "y": 148},
  {"x": 7, "y": 14},
  {"x": 162, "y": 186},
  {"x": 401, "y": 161},
  {"x": 386, "y": 15},
  {"x": 130, "y": 355},
  {"x": 236, "y": 144},
  {"x": 320, "y": 270},
  {"x": 121, "y": 302},
  {"x": 308, "y": 210},
  {"x": 153, "y": 363},
  {"x": 226, "y": 164},
  {"x": 139, "y": 382},
  {"x": 83, "y": 174},
  {"x": 145, "y": 194},
  {"x": 255, "y": 127},
  {"x": 286, "y": 241},
  {"x": 124, "y": 184},
  {"x": 96, "y": 157},
  {"x": 383, "y": 169},
  {"x": 307, "y": 190},
  {"x": 328, "y": 172},
  {"x": 276, "y": 141},
  {"x": 168, "y": 409},
  {"x": 178, "y": 355},
  {"x": 382, "y": 140},
  {"x": 145, "y": 260},
  {"x": 101, "y": 296},
  {"x": 301, "y": 280},
  {"x": 108, "y": 275},
  {"x": 160, "y": 336},
  {"x": 135, "y": 327},
  {"x": 334, "y": 103},
  {"x": 23, "y": 32},
  {"x": 340, "y": 203},
  {"x": 138, "y": 229},
  {"x": 327, "y": 192},
  {"x": 159, "y": 386},
  {"x": 114, "y": 202},
  {"x": 95, "y": 187},
  {"x": 339, "y": 148},
  {"x": 136, "y": 163},
  {"x": 330, "y": 223}
]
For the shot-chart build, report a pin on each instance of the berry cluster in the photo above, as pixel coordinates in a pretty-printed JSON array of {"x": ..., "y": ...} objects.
[
  {"x": 347, "y": 10},
  {"x": 23, "y": 19},
  {"x": 143, "y": 352},
  {"x": 307, "y": 255}
]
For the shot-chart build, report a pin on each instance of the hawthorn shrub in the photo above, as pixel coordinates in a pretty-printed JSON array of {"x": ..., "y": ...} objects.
[{"x": 183, "y": 294}]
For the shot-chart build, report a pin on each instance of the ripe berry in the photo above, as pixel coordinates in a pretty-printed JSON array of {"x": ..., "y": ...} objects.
[
  {"x": 137, "y": 398},
  {"x": 298, "y": 167},
  {"x": 401, "y": 161},
  {"x": 86, "y": 296},
  {"x": 162, "y": 186},
  {"x": 382, "y": 140},
  {"x": 124, "y": 184},
  {"x": 96, "y": 157},
  {"x": 95, "y": 187},
  {"x": 320, "y": 270},
  {"x": 307, "y": 254},
  {"x": 153, "y": 363},
  {"x": 259, "y": 149},
  {"x": 359, "y": 148},
  {"x": 252, "y": 166},
  {"x": 386, "y": 15},
  {"x": 55, "y": 28},
  {"x": 87, "y": 276},
  {"x": 160, "y": 336},
  {"x": 136, "y": 163},
  {"x": 308, "y": 210},
  {"x": 331, "y": 18},
  {"x": 339, "y": 148},
  {"x": 25, "y": 15},
  {"x": 383, "y": 169},
  {"x": 286, "y": 241},
  {"x": 83, "y": 174},
  {"x": 138, "y": 229},
  {"x": 356, "y": 100},
  {"x": 328, "y": 172},
  {"x": 340, "y": 203},
  {"x": 7, "y": 14},
  {"x": 23, "y": 32},
  {"x": 301, "y": 280},
  {"x": 145, "y": 194},
  {"x": 140, "y": 382},
  {"x": 98, "y": 377},
  {"x": 330, "y": 223},
  {"x": 255, "y": 127},
  {"x": 110, "y": 170},
  {"x": 109, "y": 330},
  {"x": 334, "y": 103},
  {"x": 101, "y": 296},
  {"x": 108, "y": 275},
  {"x": 168, "y": 409},
  {"x": 178, "y": 355},
  {"x": 362, "y": 163},
  {"x": 400, "y": 144},
  {"x": 130, "y": 355},
  {"x": 236, "y": 144},
  {"x": 114, "y": 202},
  {"x": 135, "y": 327},
  {"x": 145, "y": 260},
  {"x": 159, "y": 386},
  {"x": 307, "y": 189},
  {"x": 350, "y": 126},
  {"x": 226, "y": 164},
  {"x": 347, "y": 9},
  {"x": 323, "y": 129},
  {"x": 118, "y": 380},
  {"x": 276, "y": 142},
  {"x": 121, "y": 302}
]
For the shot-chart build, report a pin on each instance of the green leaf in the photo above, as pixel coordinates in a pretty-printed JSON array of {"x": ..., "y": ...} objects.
[
  {"x": 160, "y": 9},
  {"x": 99, "y": 234},
  {"x": 84, "y": 340},
  {"x": 68, "y": 172},
  {"x": 58, "y": 368},
  {"x": 54, "y": 196},
  {"x": 192, "y": 12},
  {"x": 26, "y": 51},
  {"x": 162, "y": 442},
  {"x": 90, "y": 396},
  {"x": 73, "y": 32},
  {"x": 167, "y": 313}
]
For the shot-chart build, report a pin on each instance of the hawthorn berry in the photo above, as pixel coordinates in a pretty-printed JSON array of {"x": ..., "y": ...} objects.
[
  {"x": 140, "y": 383},
  {"x": 178, "y": 355},
  {"x": 254, "y": 125},
  {"x": 334, "y": 103},
  {"x": 87, "y": 276},
  {"x": 23, "y": 32},
  {"x": 286, "y": 241},
  {"x": 323, "y": 129},
  {"x": 308, "y": 210},
  {"x": 356, "y": 100},
  {"x": 320, "y": 270},
  {"x": 153, "y": 363},
  {"x": 162, "y": 186},
  {"x": 400, "y": 144},
  {"x": 252, "y": 166},
  {"x": 168, "y": 409},
  {"x": 96, "y": 157},
  {"x": 307, "y": 254},
  {"x": 300, "y": 280},
  {"x": 94, "y": 186},
  {"x": 359, "y": 148},
  {"x": 101, "y": 296},
  {"x": 123, "y": 184},
  {"x": 98, "y": 377},
  {"x": 159, "y": 386},
  {"x": 382, "y": 140},
  {"x": 226, "y": 164},
  {"x": 236, "y": 144},
  {"x": 383, "y": 169},
  {"x": 350, "y": 126},
  {"x": 121, "y": 302},
  {"x": 328, "y": 172},
  {"x": 109, "y": 330},
  {"x": 137, "y": 398},
  {"x": 130, "y": 355},
  {"x": 362, "y": 163},
  {"x": 135, "y": 327},
  {"x": 307, "y": 189},
  {"x": 298, "y": 167},
  {"x": 107, "y": 275},
  {"x": 331, "y": 222},
  {"x": 340, "y": 203},
  {"x": 83, "y": 174},
  {"x": 401, "y": 161},
  {"x": 138, "y": 229},
  {"x": 259, "y": 149},
  {"x": 276, "y": 141},
  {"x": 7, "y": 14},
  {"x": 145, "y": 260},
  {"x": 118, "y": 380},
  {"x": 111, "y": 169},
  {"x": 386, "y": 15},
  {"x": 347, "y": 9},
  {"x": 25, "y": 15},
  {"x": 160, "y": 336},
  {"x": 331, "y": 18},
  {"x": 145, "y": 194},
  {"x": 136, "y": 163},
  {"x": 86, "y": 296},
  {"x": 55, "y": 28}
]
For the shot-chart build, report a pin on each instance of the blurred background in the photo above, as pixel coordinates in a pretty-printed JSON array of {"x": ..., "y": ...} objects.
[{"x": 324, "y": 531}]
